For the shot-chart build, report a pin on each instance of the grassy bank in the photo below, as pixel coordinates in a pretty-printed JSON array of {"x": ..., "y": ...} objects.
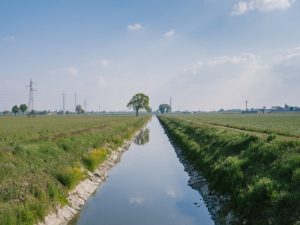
[
  {"x": 261, "y": 175},
  {"x": 43, "y": 158}
]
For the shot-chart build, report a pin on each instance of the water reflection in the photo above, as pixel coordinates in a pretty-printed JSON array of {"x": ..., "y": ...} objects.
[
  {"x": 143, "y": 137},
  {"x": 149, "y": 187}
]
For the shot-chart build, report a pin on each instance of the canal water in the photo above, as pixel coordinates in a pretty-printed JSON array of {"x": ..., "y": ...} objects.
[{"x": 148, "y": 187}]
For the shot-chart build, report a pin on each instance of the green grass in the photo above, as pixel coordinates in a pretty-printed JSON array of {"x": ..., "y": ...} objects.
[
  {"x": 261, "y": 175},
  {"x": 287, "y": 124},
  {"x": 42, "y": 158}
]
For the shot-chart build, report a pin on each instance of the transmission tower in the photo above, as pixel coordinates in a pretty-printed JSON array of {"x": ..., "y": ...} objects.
[{"x": 30, "y": 101}]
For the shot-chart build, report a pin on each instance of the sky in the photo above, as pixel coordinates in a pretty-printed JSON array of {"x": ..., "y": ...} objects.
[{"x": 205, "y": 54}]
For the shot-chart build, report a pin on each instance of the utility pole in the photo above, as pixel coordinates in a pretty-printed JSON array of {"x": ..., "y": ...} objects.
[
  {"x": 30, "y": 101},
  {"x": 246, "y": 105},
  {"x": 64, "y": 103},
  {"x": 170, "y": 104}
]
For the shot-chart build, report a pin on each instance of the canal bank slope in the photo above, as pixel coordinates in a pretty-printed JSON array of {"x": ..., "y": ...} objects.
[
  {"x": 77, "y": 198},
  {"x": 149, "y": 186},
  {"x": 260, "y": 176}
]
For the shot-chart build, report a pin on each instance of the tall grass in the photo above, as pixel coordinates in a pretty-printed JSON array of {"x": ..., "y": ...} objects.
[
  {"x": 42, "y": 158},
  {"x": 260, "y": 176}
]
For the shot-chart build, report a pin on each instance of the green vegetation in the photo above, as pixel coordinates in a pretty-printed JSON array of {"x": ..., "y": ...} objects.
[
  {"x": 164, "y": 108},
  {"x": 43, "y": 158},
  {"x": 15, "y": 109},
  {"x": 287, "y": 124},
  {"x": 139, "y": 101},
  {"x": 260, "y": 175},
  {"x": 23, "y": 108}
]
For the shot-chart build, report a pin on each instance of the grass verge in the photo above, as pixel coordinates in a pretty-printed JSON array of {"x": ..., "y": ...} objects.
[
  {"x": 40, "y": 165},
  {"x": 261, "y": 176}
]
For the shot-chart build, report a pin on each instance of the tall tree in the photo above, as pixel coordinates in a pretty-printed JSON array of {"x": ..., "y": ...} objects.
[
  {"x": 79, "y": 109},
  {"x": 23, "y": 108},
  {"x": 164, "y": 108},
  {"x": 15, "y": 109},
  {"x": 139, "y": 101}
]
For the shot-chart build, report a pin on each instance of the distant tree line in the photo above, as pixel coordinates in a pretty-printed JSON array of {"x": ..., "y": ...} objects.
[{"x": 22, "y": 108}]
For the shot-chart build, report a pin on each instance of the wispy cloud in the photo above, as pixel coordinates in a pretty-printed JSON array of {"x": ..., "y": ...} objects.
[
  {"x": 9, "y": 38},
  {"x": 169, "y": 33},
  {"x": 136, "y": 200},
  {"x": 289, "y": 55},
  {"x": 103, "y": 62},
  {"x": 70, "y": 70},
  {"x": 136, "y": 26},
  {"x": 171, "y": 193},
  {"x": 244, "y": 58},
  {"x": 243, "y": 7}
]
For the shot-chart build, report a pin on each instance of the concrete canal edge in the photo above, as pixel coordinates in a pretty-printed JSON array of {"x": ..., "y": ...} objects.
[{"x": 79, "y": 196}]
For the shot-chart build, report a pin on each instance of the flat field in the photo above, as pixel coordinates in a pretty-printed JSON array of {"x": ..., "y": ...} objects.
[
  {"x": 286, "y": 124},
  {"x": 42, "y": 158}
]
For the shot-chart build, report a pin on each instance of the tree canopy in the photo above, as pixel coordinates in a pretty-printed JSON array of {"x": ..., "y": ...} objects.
[
  {"x": 164, "y": 108},
  {"x": 15, "y": 109},
  {"x": 79, "y": 109},
  {"x": 23, "y": 108},
  {"x": 139, "y": 101}
]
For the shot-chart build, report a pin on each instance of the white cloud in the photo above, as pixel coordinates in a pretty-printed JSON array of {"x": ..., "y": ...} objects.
[
  {"x": 9, "y": 38},
  {"x": 136, "y": 200},
  {"x": 244, "y": 58},
  {"x": 135, "y": 26},
  {"x": 171, "y": 193},
  {"x": 103, "y": 62},
  {"x": 289, "y": 55},
  {"x": 226, "y": 81},
  {"x": 169, "y": 33},
  {"x": 71, "y": 71},
  {"x": 261, "y": 5},
  {"x": 240, "y": 8}
]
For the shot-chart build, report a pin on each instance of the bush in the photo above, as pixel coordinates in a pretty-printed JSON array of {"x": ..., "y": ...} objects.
[
  {"x": 94, "y": 158},
  {"x": 69, "y": 177}
]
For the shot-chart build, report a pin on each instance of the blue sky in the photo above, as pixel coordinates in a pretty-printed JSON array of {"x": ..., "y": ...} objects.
[{"x": 206, "y": 54}]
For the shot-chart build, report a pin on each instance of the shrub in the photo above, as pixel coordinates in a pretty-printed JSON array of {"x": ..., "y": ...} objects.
[
  {"x": 94, "y": 158},
  {"x": 69, "y": 177}
]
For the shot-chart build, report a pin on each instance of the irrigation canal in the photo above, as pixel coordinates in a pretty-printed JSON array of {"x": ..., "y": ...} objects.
[{"x": 149, "y": 186}]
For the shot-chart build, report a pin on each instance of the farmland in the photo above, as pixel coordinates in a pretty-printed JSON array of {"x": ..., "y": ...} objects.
[
  {"x": 245, "y": 158},
  {"x": 43, "y": 158},
  {"x": 286, "y": 124}
]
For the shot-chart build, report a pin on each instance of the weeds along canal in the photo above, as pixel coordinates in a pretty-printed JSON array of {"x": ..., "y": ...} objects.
[{"x": 149, "y": 186}]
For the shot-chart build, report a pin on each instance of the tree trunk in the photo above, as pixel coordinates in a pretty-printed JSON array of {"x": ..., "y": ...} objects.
[{"x": 137, "y": 112}]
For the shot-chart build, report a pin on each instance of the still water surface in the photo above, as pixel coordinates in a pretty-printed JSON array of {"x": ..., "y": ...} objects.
[{"x": 148, "y": 187}]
